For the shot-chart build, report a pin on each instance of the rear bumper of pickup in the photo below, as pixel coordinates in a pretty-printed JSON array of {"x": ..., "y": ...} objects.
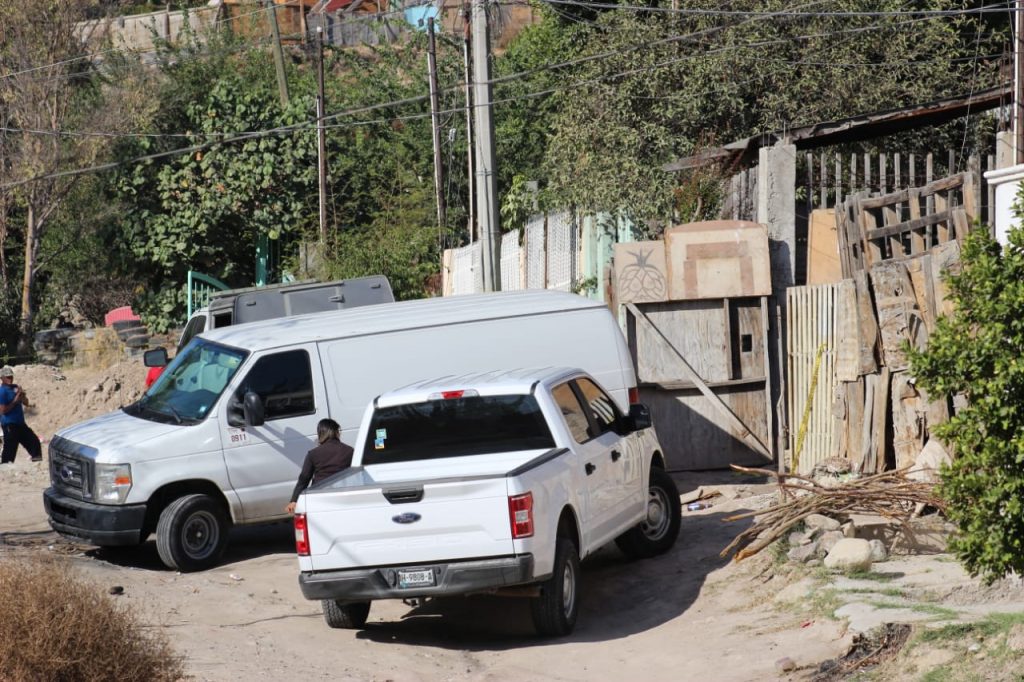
[{"x": 453, "y": 578}]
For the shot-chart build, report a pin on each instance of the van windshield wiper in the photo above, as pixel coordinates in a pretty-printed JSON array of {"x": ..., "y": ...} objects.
[{"x": 174, "y": 413}]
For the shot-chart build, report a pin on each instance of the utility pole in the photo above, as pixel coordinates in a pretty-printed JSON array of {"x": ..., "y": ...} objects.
[
  {"x": 1018, "y": 81},
  {"x": 486, "y": 182},
  {"x": 321, "y": 133},
  {"x": 435, "y": 124},
  {"x": 282, "y": 84},
  {"x": 470, "y": 138}
]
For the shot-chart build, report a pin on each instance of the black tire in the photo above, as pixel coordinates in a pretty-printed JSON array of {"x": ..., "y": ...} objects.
[
  {"x": 192, "y": 533},
  {"x": 346, "y": 616},
  {"x": 554, "y": 611},
  {"x": 657, "y": 533}
]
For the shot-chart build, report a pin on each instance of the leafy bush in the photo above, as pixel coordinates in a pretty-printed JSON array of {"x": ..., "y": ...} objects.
[
  {"x": 977, "y": 352},
  {"x": 57, "y": 627}
]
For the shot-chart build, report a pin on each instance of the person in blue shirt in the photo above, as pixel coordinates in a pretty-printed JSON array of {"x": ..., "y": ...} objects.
[{"x": 12, "y": 419}]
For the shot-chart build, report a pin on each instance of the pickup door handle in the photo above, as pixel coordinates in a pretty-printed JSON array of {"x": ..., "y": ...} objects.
[
  {"x": 403, "y": 495},
  {"x": 615, "y": 455},
  {"x": 589, "y": 468}
]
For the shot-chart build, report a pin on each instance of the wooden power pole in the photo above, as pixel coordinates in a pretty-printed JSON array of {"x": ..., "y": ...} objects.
[
  {"x": 470, "y": 138},
  {"x": 321, "y": 133},
  {"x": 282, "y": 82},
  {"x": 435, "y": 124},
  {"x": 1018, "y": 82},
  {"x": 486, "y": 181}
]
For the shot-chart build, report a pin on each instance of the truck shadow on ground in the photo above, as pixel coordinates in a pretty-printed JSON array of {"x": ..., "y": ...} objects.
[
  {"x": 244, "y": 543},
  {"x": 619, "y": 597}
]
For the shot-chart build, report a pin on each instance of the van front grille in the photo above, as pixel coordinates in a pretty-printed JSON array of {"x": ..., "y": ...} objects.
[{"x": 70, "y": 473}]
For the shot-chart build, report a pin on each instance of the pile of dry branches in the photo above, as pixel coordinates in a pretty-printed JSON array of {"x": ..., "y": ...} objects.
[{"x": 890, "y": 494}]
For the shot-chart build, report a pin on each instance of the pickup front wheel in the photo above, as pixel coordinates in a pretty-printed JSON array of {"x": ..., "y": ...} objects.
[
  {"x": 554, "y": 611},
  {"x": 191, "y": 533},
  {"x": 348, "y": 616},
  {"x": 658, "y": 531}
]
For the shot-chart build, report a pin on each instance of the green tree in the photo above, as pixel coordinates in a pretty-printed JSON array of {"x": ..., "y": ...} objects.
[{"x": 977, "y": 352}]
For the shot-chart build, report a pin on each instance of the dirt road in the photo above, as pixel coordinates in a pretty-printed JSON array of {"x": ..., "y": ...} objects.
[{"x": 688, "y": 615}]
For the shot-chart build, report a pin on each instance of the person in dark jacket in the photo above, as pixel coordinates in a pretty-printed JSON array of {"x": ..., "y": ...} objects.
[{"x": 327, "y": 459}]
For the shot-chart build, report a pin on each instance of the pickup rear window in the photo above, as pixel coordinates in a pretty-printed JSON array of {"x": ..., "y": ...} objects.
[{"x": 458, "y": 427}]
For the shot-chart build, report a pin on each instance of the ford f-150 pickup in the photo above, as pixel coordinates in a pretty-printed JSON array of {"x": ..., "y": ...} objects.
[{"x": 487, "y": 483}]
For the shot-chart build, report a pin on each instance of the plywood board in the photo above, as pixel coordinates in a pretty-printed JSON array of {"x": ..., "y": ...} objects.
[
  {"x": 696, "y": 329},
  {"x": 718, "y": 259},
  {"x": 640, "y": 274},
  {"x": 855, "y": 403},
  {"x": 747, "y": 334},
  {"x": 696, "y": 437},
  {"x": 823, "y": 264}
]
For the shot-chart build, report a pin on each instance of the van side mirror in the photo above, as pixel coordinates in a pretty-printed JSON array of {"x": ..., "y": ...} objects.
[
  {"x": 252, "y": 408},
  {"x": 639, "y": 417},
  {"x": 156, "y": 357}
]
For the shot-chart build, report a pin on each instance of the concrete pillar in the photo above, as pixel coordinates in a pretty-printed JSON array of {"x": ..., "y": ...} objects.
[
  {"x": 776, "y": 208},
  {"x": 1004, "y": 149}
]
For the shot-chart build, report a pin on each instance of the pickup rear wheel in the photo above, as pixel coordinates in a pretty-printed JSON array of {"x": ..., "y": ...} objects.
[
  {"x": 658, "y": 531},
  {"x": 554, "y": 611},
  {"x": 191, "y": 533},
  {"x": 343, "y": 615}
]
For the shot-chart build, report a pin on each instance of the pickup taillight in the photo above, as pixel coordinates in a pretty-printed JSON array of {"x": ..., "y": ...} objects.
[
  {"x": 301, "y": 537},
  {"x": 520, "y": 515}
]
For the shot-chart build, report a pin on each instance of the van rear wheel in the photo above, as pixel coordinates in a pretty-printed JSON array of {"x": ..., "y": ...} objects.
[
  {"x": 192, "y": 533},
  {"x": 347, "y": 616}
]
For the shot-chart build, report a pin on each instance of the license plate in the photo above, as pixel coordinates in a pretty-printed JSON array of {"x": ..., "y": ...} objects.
[{"x": 415, "y": 578}]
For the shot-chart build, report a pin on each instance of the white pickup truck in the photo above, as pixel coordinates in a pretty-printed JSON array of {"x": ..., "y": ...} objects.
[{"x": 499, "y": 482}]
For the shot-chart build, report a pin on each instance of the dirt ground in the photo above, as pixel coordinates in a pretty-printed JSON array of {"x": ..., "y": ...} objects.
[{"x": 688, "y": 615}]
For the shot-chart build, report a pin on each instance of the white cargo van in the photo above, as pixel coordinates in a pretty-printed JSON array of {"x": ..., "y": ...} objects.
[{"x": 220, "y": 437}]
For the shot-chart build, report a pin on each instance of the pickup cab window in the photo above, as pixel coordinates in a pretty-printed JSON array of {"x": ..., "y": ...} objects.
[
  {"x": 457, "y": 427},
  {"x": 189, "y": 387},
  {"x": 603, "y": 413},
  {"x": 284, "y": 383},
  {"x": 194, "y": 327},
  {"x": 572, "y": 412}
]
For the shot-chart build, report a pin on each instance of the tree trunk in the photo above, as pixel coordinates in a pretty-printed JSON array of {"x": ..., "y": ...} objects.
[{"x": 31, "y": 250}]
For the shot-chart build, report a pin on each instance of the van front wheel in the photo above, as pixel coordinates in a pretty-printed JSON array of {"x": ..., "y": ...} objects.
[{"x": 192, "y": 533}]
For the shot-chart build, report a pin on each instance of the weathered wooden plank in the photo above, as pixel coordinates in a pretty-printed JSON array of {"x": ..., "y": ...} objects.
[
  {"x": 738, "y": 428},
  {"x": 855, "y": 423},
  {"x": 906, "y": 226},
  {"x": 867, "y": 449},
  {"x": 908, "y": 432},
  {"x": 747, "y": 348},
  {"x": 920, "y": 271},
  {"x": 880, "y": 418},
  {"x": 867, "y": 324},
  {"x": 898, "y": 318},
  {"x": 848, "y": 361},
  {"x": 945, "y": 261},
  {"x": 823, "y": 254}
]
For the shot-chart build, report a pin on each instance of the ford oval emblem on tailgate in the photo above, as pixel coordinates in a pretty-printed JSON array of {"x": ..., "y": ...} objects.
[{"x": 407, "y": 517}]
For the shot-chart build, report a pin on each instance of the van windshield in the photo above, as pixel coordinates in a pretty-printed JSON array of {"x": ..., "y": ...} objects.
[
  {"x": 187, "y": 390},
  {"x": 478, "y": 425}
]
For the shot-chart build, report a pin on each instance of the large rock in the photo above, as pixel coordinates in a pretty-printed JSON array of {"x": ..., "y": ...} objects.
[
  {"x": 850, "y": 554},
  {"x": 878, "y": 551},
  {"x": 820, "y": 522},
  {"x": 803, "y": 553},
  {"x": 828, "y": 540}
]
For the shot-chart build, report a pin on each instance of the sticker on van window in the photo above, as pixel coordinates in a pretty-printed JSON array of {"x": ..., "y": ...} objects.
[
  {"x": 378, "y": 441},
  {"x": 382, "y": 433}
]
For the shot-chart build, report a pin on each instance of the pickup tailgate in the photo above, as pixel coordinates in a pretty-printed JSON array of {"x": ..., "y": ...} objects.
[{"x": 394, "y": 514}]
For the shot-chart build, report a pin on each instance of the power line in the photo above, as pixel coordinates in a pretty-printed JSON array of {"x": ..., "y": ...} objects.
[
  {"x": 786, "y": 13},
  {"x": 421, "y": 98}
]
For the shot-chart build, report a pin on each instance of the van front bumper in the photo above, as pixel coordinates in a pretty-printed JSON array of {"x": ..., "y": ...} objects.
[
  {"x": 453, "y": 578},
  {"x": 98, "y": 524}
]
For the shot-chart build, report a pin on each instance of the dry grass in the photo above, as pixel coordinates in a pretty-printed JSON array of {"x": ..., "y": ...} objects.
[{"x": 57, "y": 627}]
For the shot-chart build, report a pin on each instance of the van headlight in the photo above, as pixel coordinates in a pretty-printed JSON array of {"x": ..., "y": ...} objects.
[{"x": 113, "y": 481}]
